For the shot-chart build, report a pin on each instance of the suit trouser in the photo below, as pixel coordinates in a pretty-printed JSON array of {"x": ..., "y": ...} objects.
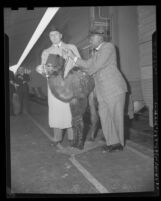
[
  {"x": 111, "y": 113},
  {"x": 58, "y": 134}
]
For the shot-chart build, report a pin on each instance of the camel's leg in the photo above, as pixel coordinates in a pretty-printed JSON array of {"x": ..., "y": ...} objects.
[
  {"x": 93, "y": 115},
  {"x": 78, "y": 107}
]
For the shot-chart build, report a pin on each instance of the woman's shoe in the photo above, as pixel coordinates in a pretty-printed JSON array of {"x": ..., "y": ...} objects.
[
  {"x": 106, "y": 148},
  {"x": 56, "y": 142},
  {"x": 116, "y": 147}
]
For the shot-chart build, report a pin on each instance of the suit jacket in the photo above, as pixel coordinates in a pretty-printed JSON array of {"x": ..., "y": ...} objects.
[{"x": 103, "y": 66}]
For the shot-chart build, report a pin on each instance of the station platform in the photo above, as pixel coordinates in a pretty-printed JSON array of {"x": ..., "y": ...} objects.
[{"x": 38, "y": 166}]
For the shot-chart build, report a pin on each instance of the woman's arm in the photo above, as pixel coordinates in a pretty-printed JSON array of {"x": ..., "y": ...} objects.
[
  {"x": 40, "y": 68},
  {"x": 44, "y": 57}
]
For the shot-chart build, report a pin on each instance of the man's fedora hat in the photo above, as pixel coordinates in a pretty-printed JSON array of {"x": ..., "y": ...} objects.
[
  {"x": 53, "y": 28},
  {"x": 98, "y": 31}
]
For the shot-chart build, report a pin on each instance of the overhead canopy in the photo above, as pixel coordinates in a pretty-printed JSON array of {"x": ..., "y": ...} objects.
[{"x": 21, "y": 24}]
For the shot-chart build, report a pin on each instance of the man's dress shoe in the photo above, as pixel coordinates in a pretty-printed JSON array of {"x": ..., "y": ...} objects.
[{"x": 116, "y": 147}]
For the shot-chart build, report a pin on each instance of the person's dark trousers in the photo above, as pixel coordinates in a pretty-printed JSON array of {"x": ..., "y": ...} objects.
[
  {"x": 11, "y": 90},
  {"x": 23, "y": 93}
]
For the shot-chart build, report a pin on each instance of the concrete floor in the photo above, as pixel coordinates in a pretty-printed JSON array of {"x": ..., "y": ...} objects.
[{"x": 37, "y": 166}]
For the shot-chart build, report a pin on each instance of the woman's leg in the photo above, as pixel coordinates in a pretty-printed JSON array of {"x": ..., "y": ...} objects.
[{"x": 57, "y": 135}]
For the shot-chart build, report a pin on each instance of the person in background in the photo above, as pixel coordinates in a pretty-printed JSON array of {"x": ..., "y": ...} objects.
[
  {"x": 21, "y": 79},
  {"x": 12, "y": 90},
  {"x": 35, "y": 85},
  {"x": 110, "y": 88},
  {"x": 60, "y": 117}
]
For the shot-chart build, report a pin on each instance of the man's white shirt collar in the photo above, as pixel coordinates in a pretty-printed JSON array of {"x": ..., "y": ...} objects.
[{"x": 57, "y": 45}]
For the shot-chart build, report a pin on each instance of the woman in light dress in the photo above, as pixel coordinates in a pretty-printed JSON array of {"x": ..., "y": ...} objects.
[{"x": 59, "y": 117}]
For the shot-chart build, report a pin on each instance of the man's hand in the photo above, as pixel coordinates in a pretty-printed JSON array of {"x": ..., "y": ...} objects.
[
  {"x": 40, "y": 69},
  {"x": 71, "y": 54}
]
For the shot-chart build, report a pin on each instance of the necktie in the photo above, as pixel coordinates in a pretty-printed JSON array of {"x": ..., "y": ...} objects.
[{"x": 56, "y": 46}]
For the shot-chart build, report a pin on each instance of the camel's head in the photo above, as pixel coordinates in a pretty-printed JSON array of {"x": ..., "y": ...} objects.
[{"x": 55, "y": 64}]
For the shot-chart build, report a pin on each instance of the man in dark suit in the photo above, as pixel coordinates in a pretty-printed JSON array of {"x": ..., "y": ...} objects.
[
  {"x": 110, "y": 88},
  {"x": 12, "y": 90}
]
